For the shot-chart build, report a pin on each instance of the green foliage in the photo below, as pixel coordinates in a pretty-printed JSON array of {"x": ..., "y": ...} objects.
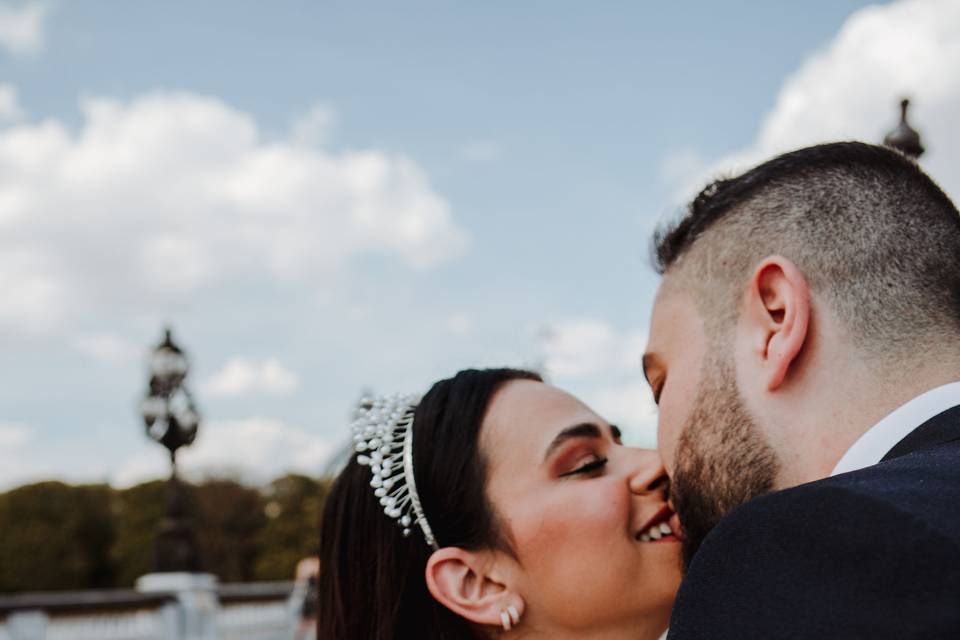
[
  {"x": 292, "y": 505},
  {"x": 55, "y": 536},
  {"x": 231, "y": 515},
  {"x": 137, "y": 514}
]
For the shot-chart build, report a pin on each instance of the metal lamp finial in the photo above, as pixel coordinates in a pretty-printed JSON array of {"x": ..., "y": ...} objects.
[{"x": 905, "y": 138}]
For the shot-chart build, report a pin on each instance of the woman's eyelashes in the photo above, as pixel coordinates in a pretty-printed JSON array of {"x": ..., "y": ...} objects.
[{"x": 586, "y": 468}]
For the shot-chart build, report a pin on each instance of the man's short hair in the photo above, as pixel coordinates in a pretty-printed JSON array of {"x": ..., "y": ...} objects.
[{"x": 874, "y": 236}]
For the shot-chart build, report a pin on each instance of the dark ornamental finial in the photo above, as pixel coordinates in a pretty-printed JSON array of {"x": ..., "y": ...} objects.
[{"x": 905, "y": 138}]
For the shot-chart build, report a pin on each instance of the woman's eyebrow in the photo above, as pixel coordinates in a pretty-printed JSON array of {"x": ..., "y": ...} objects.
[{"x": 582, "y": 430}]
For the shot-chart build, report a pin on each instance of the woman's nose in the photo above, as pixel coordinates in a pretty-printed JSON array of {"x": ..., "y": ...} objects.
[{"x": 647, "y": 473}]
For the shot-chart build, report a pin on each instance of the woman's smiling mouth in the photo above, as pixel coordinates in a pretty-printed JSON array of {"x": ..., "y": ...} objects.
[{"x": 658, "y": 528}]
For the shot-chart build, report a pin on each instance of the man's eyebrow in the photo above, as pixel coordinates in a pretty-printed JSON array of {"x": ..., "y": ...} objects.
[{"x": 582, "y": 430}]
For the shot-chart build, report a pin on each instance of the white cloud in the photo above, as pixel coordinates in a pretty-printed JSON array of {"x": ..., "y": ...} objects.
[
  {"x": 850, "y": 89},
  {"x": 629, "y": 405},
  {"x": 15, "y": 439},
  {"x": 313, "y": 128},
  {"x": 13, "y": 435},
  {"x": 22, "y": 29},
  {"x": 602, "y": 366},
  {"x": 108, "y": 348},
  {"x": 256, "y": 448},
  {"x": 459, "y": 323},
  {"x": 241, "y": 376},
  {"x": 35, "y": 297},
  {"x": 10, "y": 108},
  {"x": 172, "y": 194},
  {"x": 588, "y": 346},
  {"x": 147, "y": 463},
  {"x": 26, "y": 456}
]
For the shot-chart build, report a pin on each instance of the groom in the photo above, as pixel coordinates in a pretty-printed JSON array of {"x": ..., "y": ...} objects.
[{"x": 805, "y": 356}]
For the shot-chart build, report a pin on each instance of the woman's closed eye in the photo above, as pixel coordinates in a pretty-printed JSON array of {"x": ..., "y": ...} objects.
[{"x": 587, "y": 467}]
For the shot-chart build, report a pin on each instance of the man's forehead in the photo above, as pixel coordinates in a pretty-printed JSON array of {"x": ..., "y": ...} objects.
[
  {"x": 678, "y": 280},
  {"x": 672, "y": 303},
  {"x": 676, "y": 330}
]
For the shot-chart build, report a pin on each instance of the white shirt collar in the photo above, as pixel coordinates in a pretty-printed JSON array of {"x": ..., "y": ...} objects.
[{"x": 870, "y": 448}]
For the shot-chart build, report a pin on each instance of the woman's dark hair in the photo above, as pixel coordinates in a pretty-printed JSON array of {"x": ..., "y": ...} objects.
[{"x": 372, "y": 584}]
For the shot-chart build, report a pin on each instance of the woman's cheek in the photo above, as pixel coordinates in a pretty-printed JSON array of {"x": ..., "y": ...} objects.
[{"x": 594, "y": 512}]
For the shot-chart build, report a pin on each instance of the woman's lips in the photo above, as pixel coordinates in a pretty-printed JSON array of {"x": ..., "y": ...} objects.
[
  {"x": 663, "y": 515},
  {"x": 659, "y": 528}
]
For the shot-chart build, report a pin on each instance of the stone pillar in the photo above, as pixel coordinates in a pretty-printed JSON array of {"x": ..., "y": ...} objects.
[
  {"x": 197, "y": 595},
  {"x": 27, "y": 625}
]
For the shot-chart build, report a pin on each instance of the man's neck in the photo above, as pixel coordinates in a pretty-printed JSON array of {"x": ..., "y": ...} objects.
[{"x": 842, "y": 414}]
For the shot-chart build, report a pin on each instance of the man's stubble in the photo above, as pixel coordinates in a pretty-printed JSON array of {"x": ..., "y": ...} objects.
[{"x": 722, "y": 458}]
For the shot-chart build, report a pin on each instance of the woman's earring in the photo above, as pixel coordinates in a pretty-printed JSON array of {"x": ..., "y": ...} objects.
[{"x": 509, "y": 618}]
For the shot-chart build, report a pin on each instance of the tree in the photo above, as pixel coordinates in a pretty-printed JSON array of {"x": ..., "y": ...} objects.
[
  {"x": 56, "y": 536},
  {"x": 230, "y": 519},
  {"x": 293, "y": 507},
  {"x": 137, "y": 512}
]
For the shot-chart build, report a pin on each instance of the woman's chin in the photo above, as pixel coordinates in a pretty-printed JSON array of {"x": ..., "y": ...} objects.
[{"x": 662, "y": 573}]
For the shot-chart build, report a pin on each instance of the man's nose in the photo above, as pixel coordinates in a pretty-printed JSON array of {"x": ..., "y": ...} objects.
[{"x": 647, "y": 474}]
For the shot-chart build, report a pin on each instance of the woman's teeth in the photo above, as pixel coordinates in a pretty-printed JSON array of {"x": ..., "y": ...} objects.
[{"x": 656, "y": 532}]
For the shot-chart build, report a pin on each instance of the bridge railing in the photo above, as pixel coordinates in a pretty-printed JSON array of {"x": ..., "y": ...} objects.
[{"x": 250, "y": 611}]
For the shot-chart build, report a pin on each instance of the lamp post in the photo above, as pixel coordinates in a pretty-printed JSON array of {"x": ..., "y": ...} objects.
[
  {"x": 905, "y": 138},
  {"x": 172, "y": 420}
]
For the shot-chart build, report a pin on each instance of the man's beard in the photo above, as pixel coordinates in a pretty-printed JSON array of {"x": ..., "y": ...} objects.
[{"x": 722, "y": 459}]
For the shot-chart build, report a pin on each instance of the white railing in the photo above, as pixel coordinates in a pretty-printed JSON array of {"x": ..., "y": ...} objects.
[
  {"x": 254, "y": 621},
  {"x": 229, "y": 612},
  {"x": 133, "y": 625}
]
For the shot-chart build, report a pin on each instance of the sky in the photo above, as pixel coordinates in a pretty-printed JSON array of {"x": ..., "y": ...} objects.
[{"x": 326, "y": 198}]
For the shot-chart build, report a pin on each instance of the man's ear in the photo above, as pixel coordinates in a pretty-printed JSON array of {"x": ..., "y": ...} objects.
[
  {"x": 471, "y": 584},
  {"x": 778, "y": 317}
]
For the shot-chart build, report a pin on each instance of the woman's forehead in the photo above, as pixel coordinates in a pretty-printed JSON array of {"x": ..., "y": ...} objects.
[{"x": 528, "y": 414}]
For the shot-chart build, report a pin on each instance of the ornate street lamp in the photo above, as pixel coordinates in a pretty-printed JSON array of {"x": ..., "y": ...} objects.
[
  {"x": 172, "y": 420},
  {"x": 905, "y": 138}
]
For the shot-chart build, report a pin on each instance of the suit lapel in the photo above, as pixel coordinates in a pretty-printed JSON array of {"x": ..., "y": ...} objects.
[{"x": 941, "y": 428}]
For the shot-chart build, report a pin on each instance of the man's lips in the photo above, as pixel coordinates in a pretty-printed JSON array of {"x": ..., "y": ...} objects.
[{"x": 674, "y": 523}]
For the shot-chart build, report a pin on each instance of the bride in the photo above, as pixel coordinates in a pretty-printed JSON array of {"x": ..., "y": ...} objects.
[{"x": 494, "y": 504}]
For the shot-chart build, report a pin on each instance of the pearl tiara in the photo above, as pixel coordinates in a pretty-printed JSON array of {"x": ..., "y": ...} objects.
[{"x": 383, "y": 439}]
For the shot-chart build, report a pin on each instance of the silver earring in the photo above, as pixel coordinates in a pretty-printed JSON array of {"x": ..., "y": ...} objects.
[
  {"x": 509, "y": 618},
  {"x": 505, "y": 621}
]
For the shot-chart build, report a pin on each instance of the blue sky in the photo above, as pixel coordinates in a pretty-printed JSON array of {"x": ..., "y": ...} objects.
[{"x": 327, "y": 197}]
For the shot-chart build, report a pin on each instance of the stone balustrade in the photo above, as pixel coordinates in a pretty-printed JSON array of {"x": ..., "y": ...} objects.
[{"x": 163, "y": 607}]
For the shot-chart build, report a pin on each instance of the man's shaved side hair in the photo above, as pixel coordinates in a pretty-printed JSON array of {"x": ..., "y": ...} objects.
[{"x": 877, "y": 240}]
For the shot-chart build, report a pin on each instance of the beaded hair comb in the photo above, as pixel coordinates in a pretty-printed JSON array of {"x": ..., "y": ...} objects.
[{"x": 383, "y": 439}]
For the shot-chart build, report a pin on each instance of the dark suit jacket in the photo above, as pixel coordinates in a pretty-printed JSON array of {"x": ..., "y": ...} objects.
[{"x": 871, "y": 554}]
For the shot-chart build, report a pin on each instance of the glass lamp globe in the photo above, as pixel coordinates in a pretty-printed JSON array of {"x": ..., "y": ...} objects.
[{"x": 153, "y": 408}]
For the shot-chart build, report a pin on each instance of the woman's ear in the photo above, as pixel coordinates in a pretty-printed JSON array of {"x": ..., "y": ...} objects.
[
  {"x": 472, "y": 584},
  {"x": 778, "y": 314}
]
